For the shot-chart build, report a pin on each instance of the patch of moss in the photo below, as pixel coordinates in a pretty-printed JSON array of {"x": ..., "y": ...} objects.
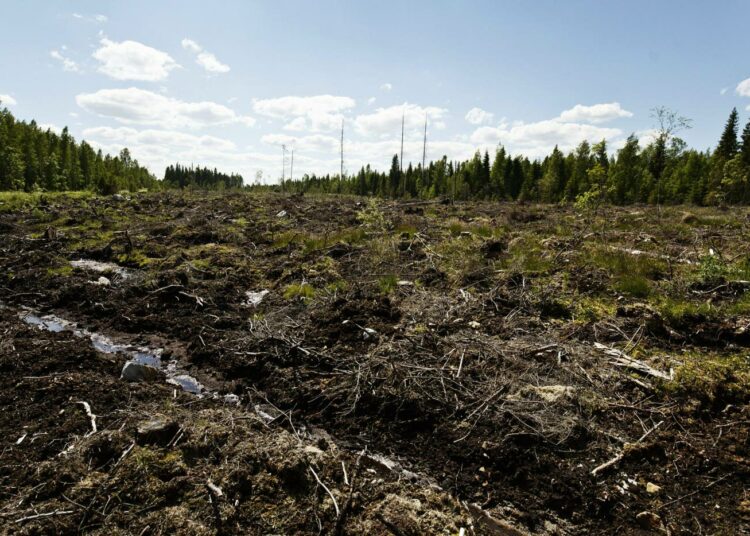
[
  {"x": 64, "y": 270},
  {"x": 636, "y": 286},
  {"x": 387, "y": 284},
  {"x": 299, "y": 291},
  {"x": 681, "y": 314},
  {"x": 592, "y": 309},
  {"x": 712, "y": 378}
]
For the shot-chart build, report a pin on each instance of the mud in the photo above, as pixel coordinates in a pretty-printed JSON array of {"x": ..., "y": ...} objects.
[{"x": 471, "y": 398}]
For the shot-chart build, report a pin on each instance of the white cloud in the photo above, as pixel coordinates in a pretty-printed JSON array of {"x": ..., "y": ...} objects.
[
  {"x": 743, "y": 88},
  {"x": 132, "y": 137},
  {"x": 7, "y": 100},
  {"x": 98, "y": 18},
  {"x": 67, "y": 64},
  {"x": 204, "y": 58},
  {"x": 312, "y": 143},
  {"x": 138, "y": 106},
  {"x": 285, "y": 107},
  {"x": 371, "y": 101},
  {"x": 597, "y": 113},
  {"x": 50, "y": 126},
  {"x": 477, "y": 116},
  {"x": 157, "y": 149},
  {"x": 297, "y": 124},
  {"x": 316, "y": 113},
  {"x": 723, "y": 91},
  {"x": 386, "y": 87},
  {"x": 646, "y": 137},
  {"x": 192, "y": 46},
  {"x": 388, "y": 120},
  {"x": 131, "y": 60},
  {"x": 539, "y": 138}
]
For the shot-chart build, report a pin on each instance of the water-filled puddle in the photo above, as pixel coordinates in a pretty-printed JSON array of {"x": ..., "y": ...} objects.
[{"x": 104, "y": 344}]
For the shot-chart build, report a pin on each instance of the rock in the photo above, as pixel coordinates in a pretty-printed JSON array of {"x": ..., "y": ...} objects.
[
  {"x": 138, "y": 372},
  {"x": 281, "y": 214},
  {"x": 649, "y": 521},
  {"x": 474, "y": 324},
  {"x": 369, "y": 333},
  {"x": 156, "y": 432},
  {"x": 652, "y": 488},
  {"x": 103, "y": 282},
  {"x": 232, "y": 399},
  {"x": 254, "y": 298}
]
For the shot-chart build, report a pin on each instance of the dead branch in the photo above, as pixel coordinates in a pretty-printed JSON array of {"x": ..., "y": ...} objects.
[
  {"x": 91, "y": 416},
  {"x": 45, "y": 514},
  {"x": 624, "y": 360},
  {"x": 335, "y": 504},
  {"x": 617, "y": 459}
]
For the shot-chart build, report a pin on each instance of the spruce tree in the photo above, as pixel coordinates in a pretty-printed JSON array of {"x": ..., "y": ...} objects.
[
  {"x": 728, "y": 143},
  {"x": 745, "y": 149}
]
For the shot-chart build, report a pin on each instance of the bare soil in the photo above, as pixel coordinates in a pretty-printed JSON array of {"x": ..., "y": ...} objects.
[{"x": 431, "y": 366}]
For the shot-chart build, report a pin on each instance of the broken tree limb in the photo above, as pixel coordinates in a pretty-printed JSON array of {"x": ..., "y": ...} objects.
[
  {"x": 214, "y": 492},
  {"x": 90, "y": 415},
  {"x": 45, "y": 514},
  {"x": 617, "y": 459},
  {"x": 335, "y": 504},
  {"x": 621, "y": 359}
]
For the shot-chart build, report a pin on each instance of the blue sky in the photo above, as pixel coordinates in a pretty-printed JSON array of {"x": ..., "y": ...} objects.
[{"x": 226, "y": 84}]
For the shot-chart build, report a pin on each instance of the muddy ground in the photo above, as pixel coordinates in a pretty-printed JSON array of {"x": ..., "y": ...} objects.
[{"x": 413, "y": 368}]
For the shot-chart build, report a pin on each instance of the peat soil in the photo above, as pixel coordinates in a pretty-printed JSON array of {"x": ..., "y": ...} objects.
[{"x": 411, "y": 368}]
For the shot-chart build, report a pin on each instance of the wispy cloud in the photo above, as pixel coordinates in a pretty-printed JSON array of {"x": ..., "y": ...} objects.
[
  {"x": 204, "y": 58},
  {"x": 96, "y": 18},
  {"x": 67, "y": 63}
]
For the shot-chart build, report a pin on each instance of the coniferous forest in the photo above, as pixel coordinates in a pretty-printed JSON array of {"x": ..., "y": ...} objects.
[
  {"x": 178, "y": 176},
  {"x": 35, "y": 159},
  {"x": 663, "y": 171}
]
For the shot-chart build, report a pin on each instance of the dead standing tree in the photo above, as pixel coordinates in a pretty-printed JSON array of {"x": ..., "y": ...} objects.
[{"x": 668, "y": 124}]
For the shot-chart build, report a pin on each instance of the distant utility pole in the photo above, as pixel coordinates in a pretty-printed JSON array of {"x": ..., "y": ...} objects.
[
  {"x": 291, "y": 169},
  {"x": 401, "y": 161},
  {"x": 424, "y": 147},
  {"x": 341, "y": 175},
  {"x": 283, "y": 162}
]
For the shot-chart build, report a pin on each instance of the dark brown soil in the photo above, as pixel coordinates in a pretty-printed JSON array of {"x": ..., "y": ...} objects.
[{"x": 455, "y": 340}]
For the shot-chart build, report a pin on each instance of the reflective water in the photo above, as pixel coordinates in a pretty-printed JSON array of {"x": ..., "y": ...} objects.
[{"x": 105, "y": 344}]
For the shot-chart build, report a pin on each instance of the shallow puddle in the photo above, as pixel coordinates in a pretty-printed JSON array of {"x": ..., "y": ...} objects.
[{"x": 104, "y": 344}]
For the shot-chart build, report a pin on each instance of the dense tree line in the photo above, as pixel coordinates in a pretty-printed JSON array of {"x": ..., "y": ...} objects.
[
  {"x": 35, "y": 159},
  {"x": 178, "y": 176},
  {"x": 663, "y": 171}
]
